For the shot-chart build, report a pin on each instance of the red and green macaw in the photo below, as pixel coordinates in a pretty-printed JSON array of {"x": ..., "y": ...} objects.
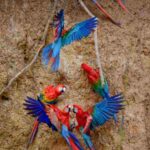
[
  {"x": 48, "y": 96},
  {"x": 94, "y": 78},
  {"x": 51, "y": 52},
  {"x": 55, "y": 118},
  {"x": 96, "y": 116},
  {"x": 107, "y": 14}
]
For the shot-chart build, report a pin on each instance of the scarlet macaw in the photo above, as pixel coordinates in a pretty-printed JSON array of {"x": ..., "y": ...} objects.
[
  {"x": 51, "y": 52},
  {"x": 48, "y": 96},
  {"x": 96, "y": 116},
  {"x": 55, "y": 118}
]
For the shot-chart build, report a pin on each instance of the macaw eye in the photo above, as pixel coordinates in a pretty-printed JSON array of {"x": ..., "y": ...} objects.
[
  {"x": 62, "y": 89},
  {"x": 75, "y": 110},
  {"x": 68, "y": 109}
]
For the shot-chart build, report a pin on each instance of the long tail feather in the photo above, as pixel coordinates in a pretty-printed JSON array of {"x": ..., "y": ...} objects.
[
  {"x": 56, "y": 62},
  {"x": 46, "y": 54},
  {"x": 105, "y": 13},
  {"x": 33, "y": 133},
  {"x": 71, "y": 139},
  {"x": 72, "y": 144},
  {"x": 88, "y": 142},
  {"x": 75, "y": 140},
  {"x": 122, "y": 5}
]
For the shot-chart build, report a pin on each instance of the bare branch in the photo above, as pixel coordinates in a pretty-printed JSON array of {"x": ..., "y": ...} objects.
[
  {"x": 41, "y": 45},
  {"x": 96, "y": 43}
]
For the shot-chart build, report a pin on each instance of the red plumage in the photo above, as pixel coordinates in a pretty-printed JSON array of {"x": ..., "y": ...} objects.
[
  {"x": 51, "y": 93},
  {"x": 82, "y": 116},
  {"x": 92, "y": 74},
  {"x": 62, "y": 116}
]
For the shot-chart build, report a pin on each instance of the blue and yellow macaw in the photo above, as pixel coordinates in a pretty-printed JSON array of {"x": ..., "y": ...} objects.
[
  {"x": 51, "y": 52},
  {"x": 55, "y": 118}
]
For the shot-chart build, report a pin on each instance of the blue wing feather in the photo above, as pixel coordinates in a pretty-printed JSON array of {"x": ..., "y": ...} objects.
[
  {"x": 106, "y": 109},
  {"x": 56, "y": 63},
  {"x": 37, "y": 109},
  {"x": 52, "y": 51},
  {"x": 46, "y": 53},
  {"x": 59, "y": 19},
  {"x": 79, "y": 31},
  {"x": 87, "y": 140}
]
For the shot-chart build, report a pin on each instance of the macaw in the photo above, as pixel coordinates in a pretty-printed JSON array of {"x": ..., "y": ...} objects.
[
  {"x": 107, "y": 14},
  {"x": 96, "y": 116},
  {"x": 94, "y": 79},
  {"x": 51, "y": 52},
  {"x": 48, "y": 96},
  {"x": 55, "y": 118}
]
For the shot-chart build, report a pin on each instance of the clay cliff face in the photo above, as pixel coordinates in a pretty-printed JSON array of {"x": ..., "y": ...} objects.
[{"x": 125, "y": 55}]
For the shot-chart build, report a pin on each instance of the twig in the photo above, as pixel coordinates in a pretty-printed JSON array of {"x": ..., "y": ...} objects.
[
  {"x": 36, "y": 54},
  {"x": 96, "y": 43}
]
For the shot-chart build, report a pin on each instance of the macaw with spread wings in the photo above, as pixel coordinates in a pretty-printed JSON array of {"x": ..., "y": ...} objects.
[
  {"x": 55, "y": 118},
  {"x": 96, "y": 116},
  {"x": 51, "y": 52},
  {"x": 93, "y": 76},
  {"x": 49, "y": 95}
]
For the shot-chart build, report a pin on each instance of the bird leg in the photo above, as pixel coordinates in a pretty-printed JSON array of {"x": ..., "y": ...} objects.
[{"x": 88, "y": 123}]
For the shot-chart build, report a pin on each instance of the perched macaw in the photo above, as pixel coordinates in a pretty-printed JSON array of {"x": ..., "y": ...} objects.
[
  {"x": 51, "y": 52},
  {"x": 107, "y": 14},
  {"x": 96, "y": 116},
  {"x": 55, "y": 118},
  {"x": 48, "y": 96},
  {"x": 94, "y": 79}
]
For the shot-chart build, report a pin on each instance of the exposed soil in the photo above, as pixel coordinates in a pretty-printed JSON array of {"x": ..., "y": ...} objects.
[{"x": 125, "y": 55}]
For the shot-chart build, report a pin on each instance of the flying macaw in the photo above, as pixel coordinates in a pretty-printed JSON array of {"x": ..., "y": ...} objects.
[
  {"x": 48, "y": 96},
  {"x": 51, "y": 52},
  {"x": 96, "y": 116},
  {"x": 107, "y": 14},
  {"x": 94, "y": 79},
  {"x": 55, "y": 118}
]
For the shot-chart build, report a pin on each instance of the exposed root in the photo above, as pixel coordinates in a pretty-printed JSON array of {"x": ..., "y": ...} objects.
[
  {"x": 41, "y": 45},
  {"x": 96, "y": 43}
]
